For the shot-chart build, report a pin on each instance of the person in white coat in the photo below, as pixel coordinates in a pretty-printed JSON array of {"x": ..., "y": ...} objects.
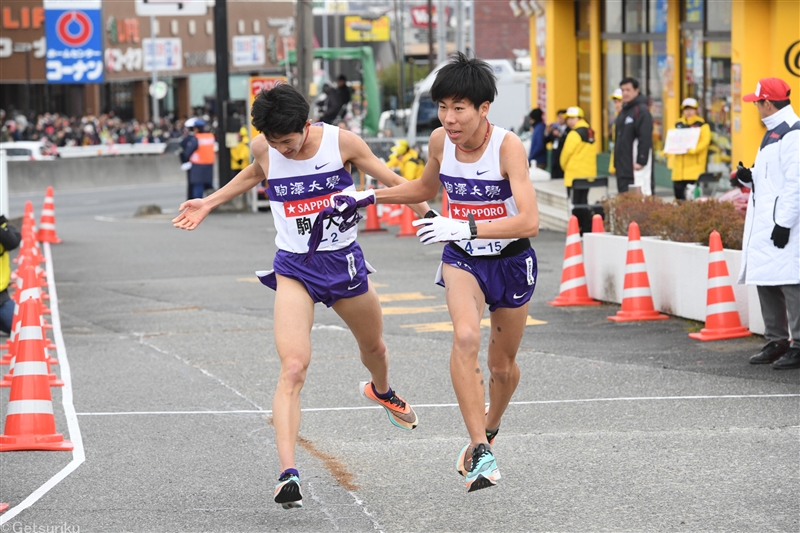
[{"x": 771, "y": 244}]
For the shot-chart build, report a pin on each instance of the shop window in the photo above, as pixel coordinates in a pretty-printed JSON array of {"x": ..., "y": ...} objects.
[
  {"x": 655, "y": 91},
  {"x": 635, "y": 11},
  {"x": 636, "y": 62},
  {"x": 613, "y": 16},
  {"x": 693, "y": 64},
  {"x": 693, "y": 11},
  {"x": 614, "y": 74},
  {"x": 719, "y": 16},
  {"x": 717, "y": 103},
  {"x": 585, "y": 79},
  {"x": 658, "y": 16}
]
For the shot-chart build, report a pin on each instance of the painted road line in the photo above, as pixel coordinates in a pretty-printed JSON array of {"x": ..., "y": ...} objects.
[
  {"x": 78, "y": 456},
  {"x": 448, "y": 326},
  {"x": 453, "y": 405},
  {"x": 403, "y": 297},
  {"x": 412, "y": 310}
]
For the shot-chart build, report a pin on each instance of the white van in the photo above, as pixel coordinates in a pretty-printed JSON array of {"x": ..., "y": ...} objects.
[{"x": 509, "y": 109}]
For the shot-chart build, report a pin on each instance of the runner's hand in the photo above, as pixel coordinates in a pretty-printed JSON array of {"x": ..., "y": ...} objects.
[
  {"x": 192, "y": 214},
  {"x": 362, "y": 199},
  {"x": 442, "y": 229}
]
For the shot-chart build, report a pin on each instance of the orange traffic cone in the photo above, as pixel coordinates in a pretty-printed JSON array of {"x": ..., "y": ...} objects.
[
  {"x": 28, "y": 332},
  {"x": 30, "y": 424},
  {"x": 597, "y": 224},
  {"x": 573, "y": 289},
  {"x": 3, "y": 507},
  {"x": 407, "y": 229},
  {"x": 637, "y": 301},
  {"x": 395, "y": 216},
  {"x": 722, "y": 318},
  {"x": 47, "y": 224},
  {"x": 373, "y": 220}
]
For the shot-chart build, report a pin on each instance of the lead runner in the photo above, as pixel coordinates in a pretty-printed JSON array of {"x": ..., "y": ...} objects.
[
  {"x": 488, "y": 258},
  {"x": 305, "y": 165}
]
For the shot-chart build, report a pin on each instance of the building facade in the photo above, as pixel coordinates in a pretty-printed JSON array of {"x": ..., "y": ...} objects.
[
  {"x": 181, "y": 47},
  {"x": 711, "y": 50}
]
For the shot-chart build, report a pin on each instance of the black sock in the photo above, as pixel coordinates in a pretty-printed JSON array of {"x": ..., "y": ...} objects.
[{"x": 385, "y": 396}]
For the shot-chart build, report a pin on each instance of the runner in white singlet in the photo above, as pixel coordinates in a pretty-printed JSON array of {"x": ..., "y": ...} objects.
[
  {"x": 304, "y": 165},
  {"x": 488, "y": 260}
]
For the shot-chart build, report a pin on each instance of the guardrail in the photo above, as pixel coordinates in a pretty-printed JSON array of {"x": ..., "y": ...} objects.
[{"x": 102, "y": 150}]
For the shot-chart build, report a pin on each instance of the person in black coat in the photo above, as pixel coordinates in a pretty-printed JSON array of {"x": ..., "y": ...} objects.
[{"x": 633, "y": 145}]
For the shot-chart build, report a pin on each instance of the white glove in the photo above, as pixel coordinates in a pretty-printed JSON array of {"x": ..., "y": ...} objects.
[
  {"x": 362, "y": 198},
  {"x": 442, "y": 229},
  {"x": 186, "y": 166}
]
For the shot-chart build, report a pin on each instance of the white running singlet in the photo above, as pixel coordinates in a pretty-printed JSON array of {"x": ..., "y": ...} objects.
[
  {"x": 480, "y": 189},
  {"x": 298, "y": 190}
]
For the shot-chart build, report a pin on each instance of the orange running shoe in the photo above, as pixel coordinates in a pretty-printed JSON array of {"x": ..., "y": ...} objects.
[{"x": 400, "y": 412}]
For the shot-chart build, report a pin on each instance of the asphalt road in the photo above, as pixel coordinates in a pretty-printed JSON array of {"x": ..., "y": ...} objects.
[{"x": 168, "y": 338}]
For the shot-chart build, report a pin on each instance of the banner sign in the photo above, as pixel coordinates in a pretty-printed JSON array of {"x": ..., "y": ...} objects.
[
  {"x": 256, "y": 85},
  {"x": 73, "y": 30},
  {"x": 248, "y": 50},
  {"x": 680, "y": 141},
  {"x": 164, "y": 53}
]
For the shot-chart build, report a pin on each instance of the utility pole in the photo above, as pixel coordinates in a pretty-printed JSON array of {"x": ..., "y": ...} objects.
[
  {"x": 430, "y": 36},
  {"x": 155, "y": 70},
  {"x": 460, "y": 28},
  {"x": 305, "y": 46},
  {"x": 223, "y": 95},
  {"x": 401, "y": 54},
  {"x": 441, "y": 31}
]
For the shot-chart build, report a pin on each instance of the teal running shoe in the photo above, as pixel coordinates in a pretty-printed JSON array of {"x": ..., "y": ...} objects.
[
  {"x": 287, "y": 491},
  {"x": 483, "y": 472}
]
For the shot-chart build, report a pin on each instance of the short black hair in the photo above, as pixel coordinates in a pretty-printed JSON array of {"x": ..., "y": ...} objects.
[
  {"x": 462, "y": 78},
  {"x": 633, "y": 81},
  {"x": 279, "y": 111},
  {"x": 536, "y": 115},
  {"x": 341, "y": 77},
  {"x": 780, "y": 104},
  {"x": 561, "y": 112}
]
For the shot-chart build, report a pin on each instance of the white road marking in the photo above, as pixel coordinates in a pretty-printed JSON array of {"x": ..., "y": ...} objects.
[
  {"x": 439, "y": 405},
  {"x": 78, "y": 456}
]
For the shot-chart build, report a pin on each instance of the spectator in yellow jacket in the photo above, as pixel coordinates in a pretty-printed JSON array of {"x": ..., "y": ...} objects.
[
  {"x": 240, "y": 154},
  {"x": 616, "y": 99},
  {"x": 578, "y": 157},
  {"x": 405, "y": 161},
  {"x": 686, "y": 168}
]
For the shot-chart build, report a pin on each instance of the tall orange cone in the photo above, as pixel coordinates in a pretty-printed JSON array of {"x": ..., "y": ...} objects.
[
  {"x": 407, "y": 229},
  {"x": 573, "y": 289},
  {"x": 373, "y": 220},
  {"x": 27, "y": 331},
  {"x": 597, "y": 224},
  {"x": 47, "y": 224},
  {"x": 30, "y": 423},
  {"x": 722, "y": 318},
  {"x": 637, "y": 301}
]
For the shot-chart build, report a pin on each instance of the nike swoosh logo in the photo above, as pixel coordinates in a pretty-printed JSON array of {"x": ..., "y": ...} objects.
[
  {"x": 354, "y": 287},
  {"x": 453, "y": 233},
  {"x": 479, "y": 172},
  {"x": 517, "y": 297},
  {"x": 320, "y": 166}
]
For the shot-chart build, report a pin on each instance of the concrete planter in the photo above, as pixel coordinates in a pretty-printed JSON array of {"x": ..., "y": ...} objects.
[{"x": 678, "y": 274}]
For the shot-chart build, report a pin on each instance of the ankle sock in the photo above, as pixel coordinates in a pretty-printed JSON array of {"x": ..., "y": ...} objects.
[
  {"x": 382, "y": 396},
  {"x": 292, "y": 471}
]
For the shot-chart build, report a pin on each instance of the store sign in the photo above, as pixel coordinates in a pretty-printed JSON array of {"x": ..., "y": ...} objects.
[
  {"x": 8, "y": 47},
  {"x": 24, "y": 17},
  {"x": 162, "y": 54},
  {"x": 357, "y": 30},
  {"x": 130, "y": 60},
  {"x": 421, "y": 19},
  {"x": 792, "y": 59},
  {"x": 248, "y": 50},
  {"x": 258, "y": 84},
  {"x": 74, "y": 41}
]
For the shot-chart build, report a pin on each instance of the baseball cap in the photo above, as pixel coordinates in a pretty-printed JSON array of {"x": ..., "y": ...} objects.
[
  {"x": 769, "y": 89},
  {"x": 689, "y": 102},
  {"x": 194, "y": 122},
  {"x": 617, "y": 94},
  {"x": 574, "y": 112}
]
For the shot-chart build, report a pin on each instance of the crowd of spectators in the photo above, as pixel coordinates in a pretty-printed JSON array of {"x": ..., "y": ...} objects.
[{"x": 88, "y": 130}]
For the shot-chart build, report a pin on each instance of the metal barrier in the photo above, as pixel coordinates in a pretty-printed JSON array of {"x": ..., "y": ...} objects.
[
  {"x": 380, "y": 146},
  {"x": 102, "y": 150}
]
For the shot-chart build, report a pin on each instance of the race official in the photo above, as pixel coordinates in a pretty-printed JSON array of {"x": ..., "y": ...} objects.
[
  {"x": 686, "y": 168},
  {"x": 771, "y": 244}
]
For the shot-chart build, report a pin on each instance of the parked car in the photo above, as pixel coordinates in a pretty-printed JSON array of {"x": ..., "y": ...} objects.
[{"x": 29, "y": 151}]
